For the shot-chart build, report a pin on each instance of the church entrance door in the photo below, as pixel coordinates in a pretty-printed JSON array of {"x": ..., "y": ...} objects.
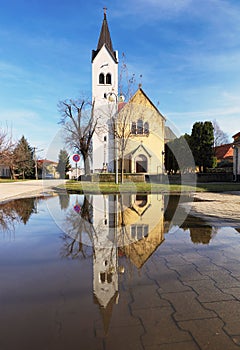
[{"x": 141, "y": 164}]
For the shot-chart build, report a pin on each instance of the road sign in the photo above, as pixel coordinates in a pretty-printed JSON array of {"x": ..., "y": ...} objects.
[
  {"x": 77, "y": 208},
  {"x": 76, "y": 158}
]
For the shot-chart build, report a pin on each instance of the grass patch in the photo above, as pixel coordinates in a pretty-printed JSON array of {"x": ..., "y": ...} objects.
[
  {"x": 11, "y": 180},
  {"x": 111, "y": 187}
]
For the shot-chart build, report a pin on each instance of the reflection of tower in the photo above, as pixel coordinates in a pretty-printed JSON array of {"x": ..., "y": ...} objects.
[{"x": 105, "y": 264}]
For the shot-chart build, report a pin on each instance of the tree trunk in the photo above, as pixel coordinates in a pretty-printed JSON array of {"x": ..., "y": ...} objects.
[
  {"x": 122, "y": 167},
  {"x": 86, "y": 160}
]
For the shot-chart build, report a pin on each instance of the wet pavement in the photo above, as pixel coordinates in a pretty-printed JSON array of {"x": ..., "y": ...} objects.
[
  {"x": 184, "y": 299},
  {"x": 177, "y": 288}
]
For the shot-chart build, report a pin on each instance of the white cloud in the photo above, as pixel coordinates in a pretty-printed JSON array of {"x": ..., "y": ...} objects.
[{"x": 227, "y": 118}]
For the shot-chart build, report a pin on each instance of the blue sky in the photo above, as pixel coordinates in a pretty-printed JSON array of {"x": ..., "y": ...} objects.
[{"x": 187, "y": 51}]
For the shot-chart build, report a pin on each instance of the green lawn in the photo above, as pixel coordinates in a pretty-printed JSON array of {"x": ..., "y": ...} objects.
[
  {"x": 10, "y": 180},
  {"x": 110, "y": 187}
]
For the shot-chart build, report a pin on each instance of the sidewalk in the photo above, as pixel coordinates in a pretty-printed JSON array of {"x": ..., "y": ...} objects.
[
  {"x": 216, "y": 207},
  {"x": 14, "y": 190}
]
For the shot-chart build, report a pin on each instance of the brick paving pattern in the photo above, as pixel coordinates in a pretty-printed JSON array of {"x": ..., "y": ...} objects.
[{"x": 182, "y": 299}]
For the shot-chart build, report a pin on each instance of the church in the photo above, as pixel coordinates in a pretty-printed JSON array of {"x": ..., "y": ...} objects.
[{"x": 130, "y": 134}]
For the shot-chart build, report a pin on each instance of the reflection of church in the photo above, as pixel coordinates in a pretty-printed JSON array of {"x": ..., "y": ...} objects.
[{"x": 130, "y": 225}]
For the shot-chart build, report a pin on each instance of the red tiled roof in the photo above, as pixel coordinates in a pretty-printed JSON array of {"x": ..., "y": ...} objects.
[
  {"x": 236, "y": 136},
  {"x": 46, "y": 161},
  {"x": 224, "y": 151}
]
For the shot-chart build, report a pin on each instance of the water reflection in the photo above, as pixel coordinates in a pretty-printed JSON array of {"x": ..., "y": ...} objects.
[
  {"x": 16, "y": 211},
  {"x": 117, "y": 250}
]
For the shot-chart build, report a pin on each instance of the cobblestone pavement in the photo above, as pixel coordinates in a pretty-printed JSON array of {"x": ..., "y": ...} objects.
[
  {"x": 184, "y": 298},
  {"x": 215, "y": 206}
]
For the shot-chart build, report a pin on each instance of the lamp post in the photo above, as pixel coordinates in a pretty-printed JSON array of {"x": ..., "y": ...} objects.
[
  {"x": 163, "y": 153},
  {"x": 110, "y": 94}
]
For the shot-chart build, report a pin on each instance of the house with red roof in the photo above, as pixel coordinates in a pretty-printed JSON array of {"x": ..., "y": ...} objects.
[
  {"x": 224, "y": 153},
  {"x": 236, "y": 156}
]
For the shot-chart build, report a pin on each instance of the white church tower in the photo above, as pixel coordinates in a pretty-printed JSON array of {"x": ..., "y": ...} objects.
[{"x": 104, "y": 92}]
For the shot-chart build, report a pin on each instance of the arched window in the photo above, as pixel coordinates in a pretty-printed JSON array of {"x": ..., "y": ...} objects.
[
  {"x": 141, "y": 163},
  {"x": 102, "y": 277},
  {"x": 134, "y": 128},
  {"x": 141, "y": 200},
  {"x": 101, "y": 78},
  {"x": 146, "y": 128},
  {"x": 108, "y": 79},
  {"x": 140, "y": 127}
]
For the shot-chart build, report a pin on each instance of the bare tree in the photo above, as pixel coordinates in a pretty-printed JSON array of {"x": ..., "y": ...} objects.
[
  {"x": 79, "y": 124},
  {"x": 220, "y": 137},
  {"x": 120, "y": 127},
  {"x": 6, "y": 150}
]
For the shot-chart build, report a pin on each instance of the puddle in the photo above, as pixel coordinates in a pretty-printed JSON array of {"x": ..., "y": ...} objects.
[{"x": 107, "y": 272}]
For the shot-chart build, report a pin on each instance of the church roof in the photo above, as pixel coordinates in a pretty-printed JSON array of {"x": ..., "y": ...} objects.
[{"x": 105, "y": 39}]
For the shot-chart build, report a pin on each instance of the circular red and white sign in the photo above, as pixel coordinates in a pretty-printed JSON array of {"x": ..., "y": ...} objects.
[{"x": 76, "y": 158}]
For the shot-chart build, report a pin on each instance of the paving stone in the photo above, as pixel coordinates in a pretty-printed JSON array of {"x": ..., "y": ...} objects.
[
  {"x": 235, "y": 291},
  {"x": 208, "y": 334},
  {"x": 138, "y": 277},
  {"x": 170, "y": 283},
  {"x": 196, "y": 258},
  {"x": 232, "y": 266},
  {"x": 187, "y": 306},
  {"x": 120, "y": 338},
  {"x": 187, "y": 345},
  {"x": 236, "y": 340},
  {"x": 188, "y": 272},
  {"x": 229, "y": 312},
  {"x": 160, "y": 327},
  {"x": 118, "y": 316},
  {"x": 222, "y": 278},
  {"x": 146, "y": 297},
  {"x": 208, "y": 292},
  {"x": 175, "y": 260}
]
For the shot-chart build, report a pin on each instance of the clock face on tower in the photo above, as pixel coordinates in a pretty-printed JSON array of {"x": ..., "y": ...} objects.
[{"x": 104, "y": 65}]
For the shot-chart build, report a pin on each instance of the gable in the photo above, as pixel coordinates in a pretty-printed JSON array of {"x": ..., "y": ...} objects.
[
  {"x": 140, "y": 98},
  {"x": 104, "y": 52},
  {"x": 141, "y": 150}
]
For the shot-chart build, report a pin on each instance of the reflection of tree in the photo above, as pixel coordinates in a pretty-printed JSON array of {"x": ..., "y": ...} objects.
[
  {"x": 16, "y": 211},
  {"x": 202, "y": 234},
  {"x": 77, "y": 225},
  {"x": 64, "y": 200},
  {"x": 25, "y": 207}
]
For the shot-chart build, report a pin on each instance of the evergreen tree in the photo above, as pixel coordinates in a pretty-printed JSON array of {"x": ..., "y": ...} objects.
[
  {"x": 23, "y": 159},
  {"x": 63, "y": 163},
  {"x": 178, "y": 155},
  {"x": 201, "y": 143}
]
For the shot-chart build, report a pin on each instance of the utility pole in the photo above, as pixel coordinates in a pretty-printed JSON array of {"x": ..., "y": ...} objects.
[{"x": 35, "y": 161}]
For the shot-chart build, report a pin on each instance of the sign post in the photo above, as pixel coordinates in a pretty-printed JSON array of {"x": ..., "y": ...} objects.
[{"x": 76, "y": 158}]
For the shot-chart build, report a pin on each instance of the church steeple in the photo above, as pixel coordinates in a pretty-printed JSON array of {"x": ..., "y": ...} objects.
[{"x": 104, "y": 38}]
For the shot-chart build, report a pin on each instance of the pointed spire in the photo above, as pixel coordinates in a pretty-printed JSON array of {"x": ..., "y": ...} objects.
[{"x": 104, "y": 38}]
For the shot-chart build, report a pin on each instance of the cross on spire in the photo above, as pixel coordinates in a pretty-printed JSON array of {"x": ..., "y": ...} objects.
[{"x": 105, "y": 11}]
